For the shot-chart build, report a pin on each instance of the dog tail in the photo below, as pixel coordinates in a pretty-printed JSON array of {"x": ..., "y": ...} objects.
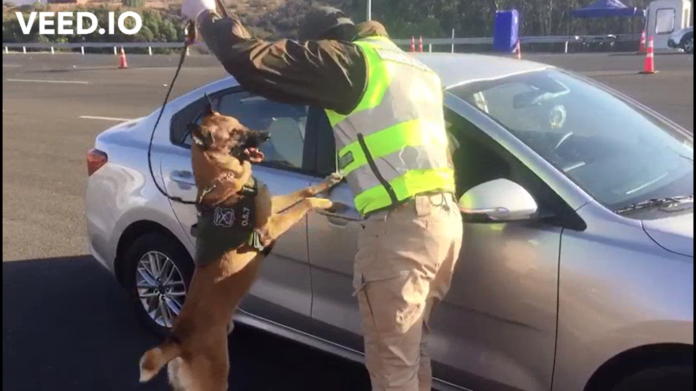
[{"x": 154, "y": 359}]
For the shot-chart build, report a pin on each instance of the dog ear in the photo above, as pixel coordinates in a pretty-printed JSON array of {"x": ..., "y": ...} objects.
[
  {"x": 200, "y": 135},
  {"x": 209, "y": 107}
]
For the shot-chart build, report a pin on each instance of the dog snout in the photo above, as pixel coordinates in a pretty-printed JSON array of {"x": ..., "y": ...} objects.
[
  {"x": 257, "y": 137},
  {"x": 264, "y": 136}
]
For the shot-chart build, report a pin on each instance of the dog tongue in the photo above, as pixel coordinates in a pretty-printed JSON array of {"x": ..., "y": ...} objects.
[{"x": 255, "y": 155}]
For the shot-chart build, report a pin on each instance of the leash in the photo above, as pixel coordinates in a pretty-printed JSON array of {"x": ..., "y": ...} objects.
[{"x": 190, "y": 32}]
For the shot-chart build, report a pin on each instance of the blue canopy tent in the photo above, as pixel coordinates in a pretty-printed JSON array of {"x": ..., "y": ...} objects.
[{"x": 607, "y": 9}]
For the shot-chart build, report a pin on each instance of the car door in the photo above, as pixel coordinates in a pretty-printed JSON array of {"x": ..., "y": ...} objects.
[
  {"x": 332, "y": 243},
  {"x": 497, "y": 325},
  {"x": 284, "y": 277}
]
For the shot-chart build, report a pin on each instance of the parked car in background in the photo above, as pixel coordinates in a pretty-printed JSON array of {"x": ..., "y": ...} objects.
[
  {"x": 682, "y": 39},
  {"x": 576, "y": 271}
]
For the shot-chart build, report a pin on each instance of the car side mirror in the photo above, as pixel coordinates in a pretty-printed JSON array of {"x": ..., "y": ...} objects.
[{"x": 499, "y": 200}]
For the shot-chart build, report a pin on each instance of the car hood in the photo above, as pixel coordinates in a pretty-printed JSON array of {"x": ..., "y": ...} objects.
[
  {"x": 680, "y": 33},
  {"x": 674, "y": 233}
]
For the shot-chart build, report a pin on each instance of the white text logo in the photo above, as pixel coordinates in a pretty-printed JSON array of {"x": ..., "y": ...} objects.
[{"x": 61, "y": 23}]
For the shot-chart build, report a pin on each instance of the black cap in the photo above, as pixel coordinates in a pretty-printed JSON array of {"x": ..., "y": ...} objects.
[{"x": 319, "y": 20}]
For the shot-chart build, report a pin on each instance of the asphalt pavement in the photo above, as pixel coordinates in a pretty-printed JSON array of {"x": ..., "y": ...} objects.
[
  {"x": 68, "y": 327},
  {"x": 66, "y": 323}
]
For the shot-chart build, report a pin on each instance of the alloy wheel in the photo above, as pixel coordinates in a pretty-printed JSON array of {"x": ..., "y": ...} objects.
[{"x": 161, "y": 288}]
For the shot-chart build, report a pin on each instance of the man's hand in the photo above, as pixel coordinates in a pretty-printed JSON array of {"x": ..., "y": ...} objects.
[{"x": 192, "y": 9}]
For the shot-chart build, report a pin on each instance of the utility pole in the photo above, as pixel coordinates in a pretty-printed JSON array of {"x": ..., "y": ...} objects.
[{"x": 369, "y": 9}]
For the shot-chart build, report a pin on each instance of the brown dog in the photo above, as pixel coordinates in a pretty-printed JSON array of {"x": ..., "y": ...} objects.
[{"x": 230, "y": 202}]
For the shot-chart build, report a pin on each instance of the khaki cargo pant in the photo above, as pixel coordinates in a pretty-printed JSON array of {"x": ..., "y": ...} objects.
[{"x": 403, "y": 269}]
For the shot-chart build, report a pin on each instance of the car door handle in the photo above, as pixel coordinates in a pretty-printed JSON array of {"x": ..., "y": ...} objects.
[
  {"x": 183, "y": 177},
  {"x": 335, "y": 219}
]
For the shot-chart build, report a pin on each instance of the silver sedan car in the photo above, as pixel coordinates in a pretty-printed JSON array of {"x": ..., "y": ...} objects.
[{"x": 576, "y": 271}]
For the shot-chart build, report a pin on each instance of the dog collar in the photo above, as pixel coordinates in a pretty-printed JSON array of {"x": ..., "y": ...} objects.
[{"x": 250, "y": 189}]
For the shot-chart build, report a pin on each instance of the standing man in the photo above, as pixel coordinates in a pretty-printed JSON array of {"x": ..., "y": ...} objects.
[{"x": 386, "y": 111}]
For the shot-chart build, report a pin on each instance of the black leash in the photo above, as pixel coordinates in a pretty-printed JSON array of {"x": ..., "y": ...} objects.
[{"x": 188, "y": 41}]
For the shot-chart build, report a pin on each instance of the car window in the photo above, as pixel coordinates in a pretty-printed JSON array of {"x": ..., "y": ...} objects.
[
  {"x": 478, "y": 159},
  {"x": 597, "y": 139},
  {"x": 664, "y": 21},
  {"x": 285, "y": 123}
]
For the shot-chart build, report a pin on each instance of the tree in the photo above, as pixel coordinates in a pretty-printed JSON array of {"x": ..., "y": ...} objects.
[{"x": 133, "y": 3}]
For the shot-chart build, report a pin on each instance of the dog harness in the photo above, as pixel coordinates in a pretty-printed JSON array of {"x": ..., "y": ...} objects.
[{"x": 221, "y": 229}]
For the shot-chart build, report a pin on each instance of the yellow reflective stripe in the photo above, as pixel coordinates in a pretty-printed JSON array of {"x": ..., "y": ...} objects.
[
  {"x": 378, "y": 80},
  {"x": 375, "y": 38},
  {"x": 334, "y": 117},
  {"x": 382, "y": 43},
  {"x": 410, "y": 133},
  {"x": 413, "y": 182}
]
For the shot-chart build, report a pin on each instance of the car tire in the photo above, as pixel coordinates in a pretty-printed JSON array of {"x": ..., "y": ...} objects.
[
  {"x": 687, "y": 44},
  {"x": 672, "y": 378},
  {"x": 172, "y": 257}
]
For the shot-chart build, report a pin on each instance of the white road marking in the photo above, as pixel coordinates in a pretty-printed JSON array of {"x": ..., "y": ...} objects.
[
  {"x": 609, "y": 73},
  {"x": 11, "y": 65},
  {"x": 49, "y": 81},
  {"x": 105, "y": 118}
]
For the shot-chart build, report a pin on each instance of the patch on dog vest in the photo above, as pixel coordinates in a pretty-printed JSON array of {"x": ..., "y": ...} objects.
[{"x": 221, "y": 228}]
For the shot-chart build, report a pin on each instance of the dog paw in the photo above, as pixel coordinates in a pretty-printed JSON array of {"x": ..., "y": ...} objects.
[
  {"x": 333, "y": 180},
  {"x": 337, "y": 207},
  {"x": 319, "y": 203},
  {"x": 264, "y": 236},
  {"x": 146, "y": 373},
  {"x": 328, "y": 184}
]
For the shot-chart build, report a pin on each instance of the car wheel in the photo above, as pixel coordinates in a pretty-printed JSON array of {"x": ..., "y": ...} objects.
[
  {"x": 688, "y": 44},
  {"x": 673, "y": 378},
  {"x": 157, "y": 275}
]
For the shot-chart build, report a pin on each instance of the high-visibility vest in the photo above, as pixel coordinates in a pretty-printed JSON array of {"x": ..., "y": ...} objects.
[{"x": 393, "y": 145}]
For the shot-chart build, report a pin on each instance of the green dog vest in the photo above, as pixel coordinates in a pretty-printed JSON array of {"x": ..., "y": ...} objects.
[{"x": 221, "y": 229}]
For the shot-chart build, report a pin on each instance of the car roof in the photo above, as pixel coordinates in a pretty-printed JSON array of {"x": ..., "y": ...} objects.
[
  {"x": 457, "y": 69},
  {"x": 454, "y": 68}
]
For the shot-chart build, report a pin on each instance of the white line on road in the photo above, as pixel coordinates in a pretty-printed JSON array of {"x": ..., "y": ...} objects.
[
  {"x": 609, "y": 73},
  {"x": 105, "y": 118},
  {"x": 49, "y": 81},
  {"x": 11, "y": 65}
]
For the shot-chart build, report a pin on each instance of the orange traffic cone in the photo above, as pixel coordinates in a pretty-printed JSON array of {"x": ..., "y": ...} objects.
[
  {"x": 649, "y": 65},
  {"x": 641, "y": 49},
  {"x": 413, "y": 44},
  {"x": 124, "y": 63},
  {"x": 420, "y": 44},
  {"x": 518, "y": 50}
]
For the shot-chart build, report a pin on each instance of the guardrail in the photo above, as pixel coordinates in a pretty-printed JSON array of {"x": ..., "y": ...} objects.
[
  {"x": 523, "y": 40},
  {"x": 564, "y": 39},
  {"x": 96, "y": 45}
]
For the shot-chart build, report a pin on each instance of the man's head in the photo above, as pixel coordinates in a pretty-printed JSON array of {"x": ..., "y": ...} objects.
[{"x": 323, "y": 22}]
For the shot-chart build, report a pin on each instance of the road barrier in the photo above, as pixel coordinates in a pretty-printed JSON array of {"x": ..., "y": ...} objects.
[
  {"x": 562, "y": 39},
  {"x": 649, "y": 64}
]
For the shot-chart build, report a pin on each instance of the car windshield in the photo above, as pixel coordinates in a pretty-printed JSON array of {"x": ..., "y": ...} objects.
[{"x": 613, "y": 149}]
